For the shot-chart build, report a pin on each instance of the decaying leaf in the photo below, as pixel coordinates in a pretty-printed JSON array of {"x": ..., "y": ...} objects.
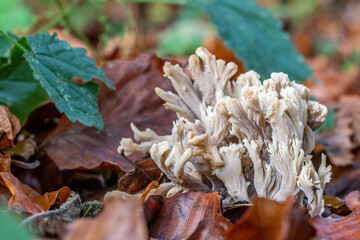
[
  {"x": 353, "y": 200},
  {"x": 25, "y": 199},
  {"x": 120, "y": 219},
  {"x": 24, "y": 149},
  {"x": 341, "y": 142},
  {"x": 134, "y": 100},
  {"x": 5, "y": 162},
  {"x": 9, "y": 127},
  {"x": 336, "y": 205},
  {"x": 53, "y": 222},
  {"x": 338, "y": 229},
  {"x": 271, "y": 220},
  {"x": 345, "y": 181},
  {"x": 181, "y": 214},
  {"x": 136, "y": 181}
]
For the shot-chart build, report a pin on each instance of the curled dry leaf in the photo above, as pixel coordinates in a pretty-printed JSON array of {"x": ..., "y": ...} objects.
[
  {"x": 120, "y": 219},
  {"x": 271, "y": 220},
  {"x": 25, "y": 199},
  {"x": 9, "y": 127},
  {"x": 338, "y": 229},
  {"x": 353, "y": 200},
  {"x": 72, "y": 145},
  {"x": 136, "y": 181},
  {"x": 24, "y": 149},
  {"x": 181, "y": 214}
]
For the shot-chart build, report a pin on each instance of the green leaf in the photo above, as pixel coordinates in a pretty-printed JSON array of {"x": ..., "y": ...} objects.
[
  {"x": 11, "y": 229},
  {"x": 5, "y": 46},
  {"x": 256, "y": 37},
  {"x": 183, "y": 37},
  {"x": 54, "y": 64},
  {"x": 14, "y": 15},
  {"x": 18, "y": 88}
]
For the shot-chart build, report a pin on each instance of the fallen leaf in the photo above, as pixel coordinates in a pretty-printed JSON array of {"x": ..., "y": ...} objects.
[
  {"x": 9, "y": 127},
  {"x": 269, "y": 220},
  {"x": 24, "y": 149},
  {"x": 25, "y": 199},
  {"x": 334, "y": 83},
  {"x": 343, "y": 228},
  {"x": 336, "y": 205},
  {"x": 119, "y": 219},
  {"x": 136, "y": 181},
  {"x": 353, "y": 200},
  {"x": 344, "y": 180},
  {"x": 19, "y": 201},
  {"x": 181, "y": 214},
  {"x": 53, "y": 222},
  {"x": 5, "y": 162},
  {"x": 341, "y": 142},
  {"x": 152, "y": 206},
  {"x": 73, "y": 146}
]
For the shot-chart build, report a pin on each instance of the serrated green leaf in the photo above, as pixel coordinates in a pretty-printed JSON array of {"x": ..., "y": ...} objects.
[
  {"x": 11, "y": 229},
  {"x": 55, "y": 63},
  {"x": 19, "y": 90},
  {"x": 256, "y": 37}
]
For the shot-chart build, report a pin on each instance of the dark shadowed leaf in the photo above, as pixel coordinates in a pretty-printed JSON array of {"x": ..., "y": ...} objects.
[
  {"x": 19, "y": 90},
  {"x": 136, "y": 181},
  {"x": 271, "y": 220},
  {"x": 181, "y": 214},
  {"x": 76, "y": 146}
]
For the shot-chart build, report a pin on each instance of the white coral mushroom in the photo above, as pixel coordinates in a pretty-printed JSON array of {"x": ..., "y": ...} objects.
[{"x": 250, "y": 137}]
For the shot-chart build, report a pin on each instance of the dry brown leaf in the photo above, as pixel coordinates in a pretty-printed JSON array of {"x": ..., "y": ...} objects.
[
  {"x": 24, "y": 149},
  {"x": 19, "y": 201},
  {"x": 341, "y": 141},
  {"x": 73, "y": 146},
  {"x": 136, "y": 181},
  {"x": 353, "y": 200},
  {"x": 181, "y": 214},
  {"x": 271, "y": 220},
  {"x": 5, "y": 162},
  {"x": 9, "y": 127},
  {"x": 338, "y": 229},
  {"x": 25, "y": 199},
  {"x": 119, "y": 219},
  {"x": 334, "y": 83},
  {"x": 344, "y": 180},
  {"x": 336, "y": 205}
]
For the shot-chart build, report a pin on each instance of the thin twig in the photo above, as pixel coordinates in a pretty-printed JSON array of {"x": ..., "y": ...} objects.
[
  {"x": 136, "y": 166},
  {"x": 239, "y": 205},
  {"x": 18, "y": 45}
]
